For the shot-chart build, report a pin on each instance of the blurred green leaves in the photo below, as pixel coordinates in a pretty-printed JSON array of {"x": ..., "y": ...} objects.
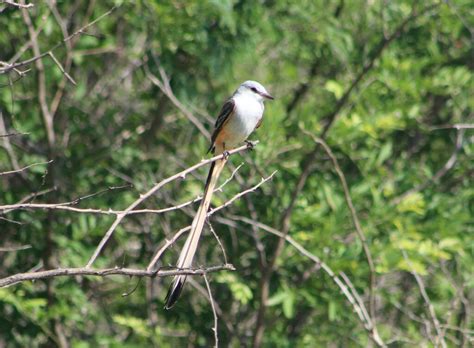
[{"x": 115, "y": 128}]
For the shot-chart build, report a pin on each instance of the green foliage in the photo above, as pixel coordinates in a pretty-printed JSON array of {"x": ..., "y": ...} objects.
[{"x": 116, "y": 128}]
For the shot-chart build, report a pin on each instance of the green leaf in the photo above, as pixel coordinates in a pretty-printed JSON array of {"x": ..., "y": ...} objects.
[{"x": 335, "y": 88}]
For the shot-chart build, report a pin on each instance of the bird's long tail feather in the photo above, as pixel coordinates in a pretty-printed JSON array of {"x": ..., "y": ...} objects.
[{"x": 187, "y": 253}]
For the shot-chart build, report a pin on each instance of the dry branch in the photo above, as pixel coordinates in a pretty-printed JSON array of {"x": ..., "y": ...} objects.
[
  {"x": 70, "y": 206},
  {"x": 439, "y": 337},
  {"x": 12, "y": 135},
  {"x": 70, "y": 272},
  {"x": 211, "y": 300},
  {"x": 23, "y": 169},
  {"x": 15, "y": 4},
  {"x": 4, "y": 209},
  {"x": 457, "y": 126},
  {"x": 56, "y": 61},
  {"x": 165, "y": 87},
  {"x": 15, "y": 248}
]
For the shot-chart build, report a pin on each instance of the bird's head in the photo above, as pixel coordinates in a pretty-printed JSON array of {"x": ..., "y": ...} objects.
[{"x": 254, "y": 88}]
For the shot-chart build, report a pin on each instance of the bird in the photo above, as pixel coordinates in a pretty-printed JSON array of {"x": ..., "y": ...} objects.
[{"x": 239, "y": 116}]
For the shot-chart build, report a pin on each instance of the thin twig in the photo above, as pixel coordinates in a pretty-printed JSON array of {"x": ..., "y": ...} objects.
[
  {"x": 164, "y": 86},
  {"x": 167, "y": 244},
  {"x": 45, "y": 111},
  {"x": 219, "y": 189},
  {"x": 24, "y": 168},
  {"x": 4, "y": 209},
  {"x": 61, "y": 68},
  {"x": 7, "y": 144},
  {"x": 12, "y": 135},
  {"x": 218, "y": 241},
  {"x": 424, "y": 295},
  {"x": 21, "y": 277},
  {"x": 211, "y": 300},
  {"x": 202, "y": 290},
  {"x": 15, "y": 248},
  {"x": 68, "y": 61},
  {"x": 358, "y": 299},
  {"x": 457, "y": 126},
  {"x": 15, "y": 4},
  {"x": 237, "y": 196},
  {"x": 11, "y": 221},
  {"x": 356, "y": 222}
]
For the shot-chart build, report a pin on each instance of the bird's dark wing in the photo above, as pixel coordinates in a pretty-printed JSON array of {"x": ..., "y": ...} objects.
[{"x": 227, "y": 110}]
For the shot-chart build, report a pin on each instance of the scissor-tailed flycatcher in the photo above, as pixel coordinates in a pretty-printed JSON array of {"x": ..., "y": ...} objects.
[{"x": 239, "y": 117}]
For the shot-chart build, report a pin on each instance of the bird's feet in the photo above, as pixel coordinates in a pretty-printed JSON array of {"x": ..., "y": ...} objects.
[
  {"x": 226, "y": 155},
  {"x": 250, "y": 144}
]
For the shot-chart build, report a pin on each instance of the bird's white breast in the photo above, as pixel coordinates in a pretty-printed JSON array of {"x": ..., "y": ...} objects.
[{"x": 248, "y": 112}]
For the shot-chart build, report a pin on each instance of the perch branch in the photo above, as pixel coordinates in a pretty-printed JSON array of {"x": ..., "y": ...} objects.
[
  {"x": 150, "y": 192},
  {"x": 60, "y": 272}
]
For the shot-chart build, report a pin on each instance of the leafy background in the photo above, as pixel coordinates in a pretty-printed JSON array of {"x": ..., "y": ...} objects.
[{"x": 380, "y": 80}]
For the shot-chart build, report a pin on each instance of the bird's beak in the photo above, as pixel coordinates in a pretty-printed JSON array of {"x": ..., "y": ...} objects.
[{"x": 267, "y": 96}]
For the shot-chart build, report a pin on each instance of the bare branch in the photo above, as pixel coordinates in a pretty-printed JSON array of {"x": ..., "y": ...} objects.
[
  {"x": 24, "y": 168},
  {"x": 7, "y": 144},
  {"x": 15, "y": 248},
  {"x": 167, "y": 244},
  {"x": 218, "y": 241},
  {"x": 237, "y": 196},
  {"x": 68, "y": 206},
  {"x": 164, "y": 86},
  {"x": 457, "y": 126},
  {"x": 211, "y": 300},
  {"x": 11, "y": 221},
  {"x": 68, "y": 61},
  {"x": 70, "y": 272},
  {"x": 61, "y": 68},
  {"x": 203, "y": 291},
  {"x": 15, "y": 4},
  {"x": 12, "y": 135},
  {"x": 4, "y": 209},
  {"x": 45, "y": 111},
  {"x": 424, "y": 295}
]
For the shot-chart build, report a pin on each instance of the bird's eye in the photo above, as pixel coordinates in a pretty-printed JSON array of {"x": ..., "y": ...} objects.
[{"x": 253, "y": 89}]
